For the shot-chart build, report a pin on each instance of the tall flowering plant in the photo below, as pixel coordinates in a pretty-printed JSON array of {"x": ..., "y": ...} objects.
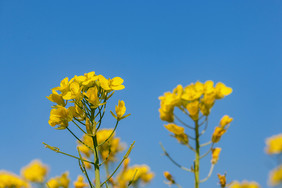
[
  {"x": 195, "y": 101},
  {"x": 81, "y": 101}
]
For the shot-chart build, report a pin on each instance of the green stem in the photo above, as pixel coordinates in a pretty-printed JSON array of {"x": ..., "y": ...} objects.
[
  {"x": 197, "y": 156},
  {"x": 96, "y": 155},
  {"x": 96, "y": 163}
]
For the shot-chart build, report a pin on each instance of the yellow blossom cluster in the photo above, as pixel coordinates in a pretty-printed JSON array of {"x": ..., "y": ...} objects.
[
  {"x": 59, "y": 182},
  {"x": 110, "y": 145},
  {"x": 196, "y": 97},
  {"x": 10, "y": 180},
  {"x": 35, "y": 172},
  {"x": 133, "y": 175},
  {"x": 244, "y": 184},
  {"x": 86, "y": 92},
  {"x": 274, "y": 144}
]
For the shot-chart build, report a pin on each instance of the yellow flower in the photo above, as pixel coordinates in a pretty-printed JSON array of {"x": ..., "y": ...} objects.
[
  {"x": 79, "y": 183},
  {"x": 92, "y": 96},
  {"x": 169, "y": 177},
  {"x": 60, "y": 116},
  {"x": 222, "y": 90},
  {"x": 275, "y": 177},
  {"x": 88, "y": 79},
  {"x": 64, "y": 85},
  {"x": 9, "y": 180},
  {"x": 222, "y": 180},
  {"x": 175, "y": 129},
  {"x": 74, "y": 92},
  {"x": 225, "y": 120},
  {"x": 215, "y": 155},
  {"x": 56, "y": 98},
  {"x": 64, "y": 180},
  {"x": 178, "y": 132},
  {"x": 35, "y": 172},
  {"x": 142, "y": 172},
  {"x": 218, "y": 132},
  {"x": 193, "y": 91},
  {"x": 77, "y": 112},
  {"x": 111, "y": 148},
  {"x": 120, "y": 111},
  {"x": 274, "y": 144},
  {"x": 244, "y": 184},
  {"x": 53, "y": 183},
  {"x": 193, "y": 109},
  {"x": 111, "y": 84}
]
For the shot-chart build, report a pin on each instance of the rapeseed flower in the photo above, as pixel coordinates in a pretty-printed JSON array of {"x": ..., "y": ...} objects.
[
  {"x": 274, "y": 144},
  {"x": 79, "y": 183},
  {"x": 244, "y": 184},
  {"x": 35, "y": 172},
  {"x": 10, "y": 180},
  {"x": 275, "y": 177}
]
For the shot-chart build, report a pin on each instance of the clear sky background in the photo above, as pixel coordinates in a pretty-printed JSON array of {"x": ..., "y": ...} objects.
[{"x": 153, "y": 45}]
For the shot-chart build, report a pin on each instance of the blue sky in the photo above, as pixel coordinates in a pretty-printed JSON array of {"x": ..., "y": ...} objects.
[{"x": 153, "y": 46}]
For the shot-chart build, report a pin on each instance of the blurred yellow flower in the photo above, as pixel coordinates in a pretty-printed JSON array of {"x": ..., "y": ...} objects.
[
  {"x": 169, "y": 177},
  {"x": 222, "y": 180},
  {"x": 215, "y": 155},
  {"x": 79, "y": 183},
  {"x": 35, "y": 172},
  {"x": 222, "y": 90},
  {"x": 193, "y": 109},
  {"x": 225, "y": 120},
  {"x": 175, "y": 129},
  {"x": 274, "y": 144},
  {"x": 10, "y": 180},
  {"x": 218, "y": 132},
  {"x": 275, "y": 177},
  {"x": 244, "y": 184},
  {"x": 178, "y": 132}
]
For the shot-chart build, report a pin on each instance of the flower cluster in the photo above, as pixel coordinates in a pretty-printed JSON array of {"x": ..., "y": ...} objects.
[
  {"x": 196, "y": 97},
  {"x": 196, "y": 101},
  {"x": 82, "y": 100},
  {"x": 133, "y": 175},
  {"x": 86, "y": 92},
  {"x": 110, "y": 145}
]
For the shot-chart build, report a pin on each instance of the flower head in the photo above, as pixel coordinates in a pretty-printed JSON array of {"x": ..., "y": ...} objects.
[{"x": 35, "y": 172}]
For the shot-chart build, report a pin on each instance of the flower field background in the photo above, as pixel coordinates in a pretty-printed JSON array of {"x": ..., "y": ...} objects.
[{"x": 153, "y": 47}]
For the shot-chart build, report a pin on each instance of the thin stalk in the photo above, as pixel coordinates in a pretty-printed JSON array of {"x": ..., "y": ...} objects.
[
  {"x": 96, "y": 155},
  {"x": 173, "y": 161},
  {"x": 183, "y": 123},
  {"x": 79, "y": 127},
  {"x": 209, "y": 175},
  {"x": 197, "y": 156},
  {"x": 96, "y": 162},
  {"x": 79, "y": 139}
]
